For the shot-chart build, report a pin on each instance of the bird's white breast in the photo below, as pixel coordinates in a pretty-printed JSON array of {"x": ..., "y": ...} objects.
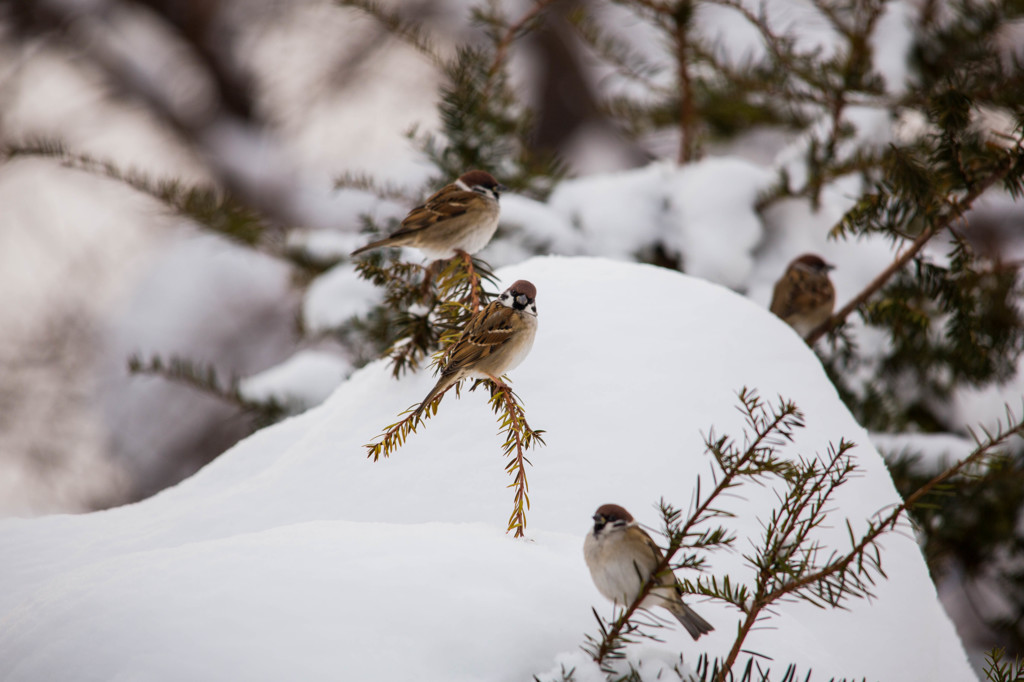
[
  {"x": 611, "y": 566},
  {"x": 475, "y": 239},
  {"x": 523, "y": 342}
]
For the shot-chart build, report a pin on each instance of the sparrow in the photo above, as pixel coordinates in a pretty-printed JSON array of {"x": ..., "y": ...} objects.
[
  {"x": 804, "y": 296},
  {"x": 496, "y": 339},
  {"x": 459, "y": 219},
  {"x": 621, "y": 556}
]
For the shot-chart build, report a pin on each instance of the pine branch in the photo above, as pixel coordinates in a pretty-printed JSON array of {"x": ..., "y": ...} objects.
[
  {"x": 368, "y": 183},
  {"x": 954, "y": 212},
  {"x": 770, "y": 426},
  {"x": 216, "y": 211},
  {"x": 395, "y": 435},
  {"x": 789, "y": 562},
  {"x": 688, "y": 147},
  {"x": 786, "y": 555},
  {"x": 453, "y": 292},
  {"x": 998, "y": 670},
  {"x": 617, "y": 53},
  {"x": 428, "y": 305},
  {"x": 519, "y": 438},
  {"x": 514, "y": 32},
  {"x": 410, "y": 32},
  {"x": 860, "y": 161},
  {"x": 848, "y": 575},
  {"x": 204, "y": 379}
]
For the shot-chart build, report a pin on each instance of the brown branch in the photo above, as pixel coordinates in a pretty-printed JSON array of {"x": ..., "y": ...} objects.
[
  {"x": 728, "y": 476},
  {"x": 697, "y": 516},
  {"x": 687, "y": 110},
  {"x": 763, "y": 596},
  {"x": 511, "y": 33},
  {"x": 891, "y": 520},
  {"x": 394, "y": 435},
  {"x": 955, "y": 212},
  {"x": 475, "y": 286},
  {"x": 877, "y": 283},
  {"x": 515, "y": 422}
]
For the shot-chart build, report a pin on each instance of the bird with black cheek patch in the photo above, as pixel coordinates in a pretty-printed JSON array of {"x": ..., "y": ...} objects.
[
  {"x": 804, "y": 296},
  {"x": 495, "y": 340},
  {"x": 457, "y": 220},
  {"x": 621, "y": 557}
]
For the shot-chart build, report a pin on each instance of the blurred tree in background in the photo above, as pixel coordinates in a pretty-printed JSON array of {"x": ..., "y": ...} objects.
[{"x": 923, "y": 150}]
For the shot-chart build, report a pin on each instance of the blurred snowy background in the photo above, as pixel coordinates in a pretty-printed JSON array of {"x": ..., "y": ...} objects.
[{"x": 272, "y": 102}]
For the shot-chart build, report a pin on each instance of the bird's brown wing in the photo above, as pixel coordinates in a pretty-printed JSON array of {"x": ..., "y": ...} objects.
[
  {"x": 654, "y": 558},
  {"x": 446, "y": 203},
  {"x": 804, "y": 292},
  {"x": 490, "y": 329}
]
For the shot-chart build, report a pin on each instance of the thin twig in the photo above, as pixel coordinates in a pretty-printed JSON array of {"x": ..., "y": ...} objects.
[
  {"x": 780, "y": 422},
  {"x": 520, "y": 439},
  {"x": 877, "y": 283},
  {"x": 687, "y": 109},
  {"x": 955, "y": 212},
  {"x": 878, "y": 528},
  {"x": 511, "y": 33}
]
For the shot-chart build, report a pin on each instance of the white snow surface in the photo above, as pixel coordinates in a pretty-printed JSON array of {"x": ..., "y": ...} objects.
[
  {"x": 293, "y": 556},
  {"x": 337, "y": 296},
  {"x": 300, "y": 382},
  {"x": 692, "y": 210}
]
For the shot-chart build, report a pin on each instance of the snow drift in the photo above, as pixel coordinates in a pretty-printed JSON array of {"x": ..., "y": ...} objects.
[{"x": 292, "y": 556}]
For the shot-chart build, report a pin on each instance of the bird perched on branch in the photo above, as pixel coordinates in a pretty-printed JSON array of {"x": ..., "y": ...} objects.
[
  {"x": 459, "y": 219},
  {"x": 495, "y": 340},
  {"x": 621, "y": 557},
  {"x": 804, "y": 296}
]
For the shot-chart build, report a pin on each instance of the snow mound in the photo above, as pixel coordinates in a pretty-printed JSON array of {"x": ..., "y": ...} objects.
[
  {"x": 300, "y": 382},
  {"x": 292, "y": 556},
  {"x": 703, "y": 213}
]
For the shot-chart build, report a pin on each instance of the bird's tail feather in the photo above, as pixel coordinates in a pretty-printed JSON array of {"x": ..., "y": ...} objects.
[
  {"x": 371, "y": 246},
  {"x": 694, "y": 624},
  {"x": 442, "y": 385}
]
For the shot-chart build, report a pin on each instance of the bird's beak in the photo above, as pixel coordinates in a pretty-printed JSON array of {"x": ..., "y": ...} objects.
[
  {"x": 500, "y": 188},
  {"x": 597, "y": 518},
  {"x": 522, "y": 300},
  {"x": 829, "y": 266}
]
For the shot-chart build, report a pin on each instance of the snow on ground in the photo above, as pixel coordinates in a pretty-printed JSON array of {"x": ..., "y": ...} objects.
[
  {"x": 936, "y": 451},
  {"x": 300, "y": 382},
  {"x": 702, "y": 212},
  {"x": 337, "y": 296},
  {"x": 292, "y": 556}
]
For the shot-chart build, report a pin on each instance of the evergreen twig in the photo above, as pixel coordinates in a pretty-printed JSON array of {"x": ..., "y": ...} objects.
[
  {"x": 452, "y": 292},
  {"x": 955, "y": 211},
  {"x": 368, "y": 183},
  {"x": 217, "y": 211},
  {"x": 519, "y": 438},
  {"x": 999, "y": 670},
  {"x": 395, "y": 435},
  {"x": 204, "y": 378},
  {"x": 511, "y": 33},
  {"x": 757, "y": 459},
  {"x": 788, "y": 562},
  {"x": 410, "y": 32}
]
